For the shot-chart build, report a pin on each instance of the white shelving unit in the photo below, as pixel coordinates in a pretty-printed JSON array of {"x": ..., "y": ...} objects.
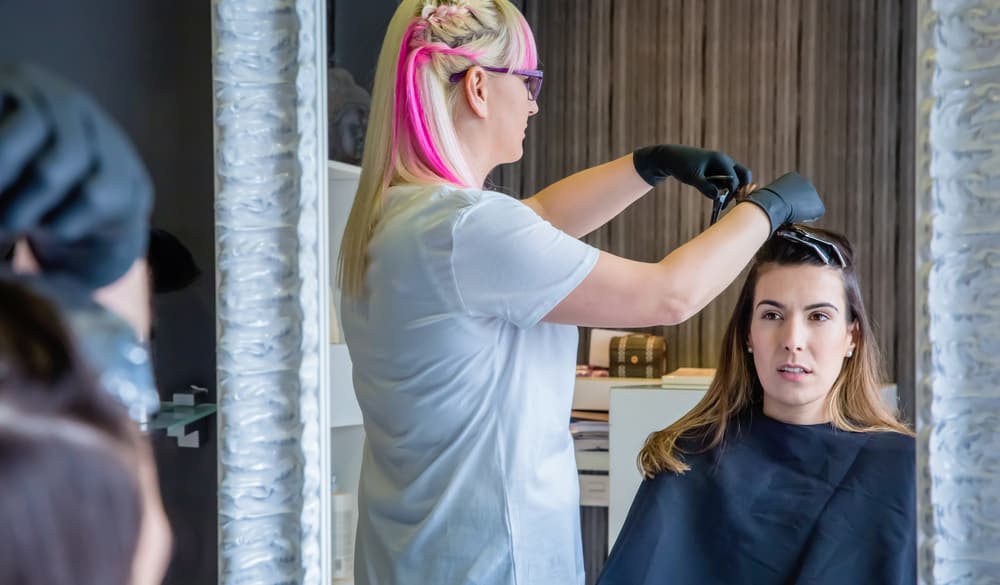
[
  {"x": 344, "y": 409},
  {"x": 347, "y": 436}
]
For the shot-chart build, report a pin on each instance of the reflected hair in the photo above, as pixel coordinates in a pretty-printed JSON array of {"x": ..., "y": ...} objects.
[
  {"x": 70, "y": 499},
  {"x": 854, "y": 402},
  {"x": 411, "y": 136}
]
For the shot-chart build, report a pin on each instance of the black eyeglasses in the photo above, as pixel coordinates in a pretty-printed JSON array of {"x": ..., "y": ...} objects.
[
  {"x": 826, "y": 250},
  {"x": 532, "y": 78}
]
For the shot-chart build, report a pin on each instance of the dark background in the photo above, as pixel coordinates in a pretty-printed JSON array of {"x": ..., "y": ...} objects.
[{"x": 149, "y": 64}]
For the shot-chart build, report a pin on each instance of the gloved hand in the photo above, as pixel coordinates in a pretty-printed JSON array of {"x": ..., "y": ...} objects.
[
  {"x": 691, "y": 166},
  {"x": 70, "y": 181},
  {"x": 789, "y": 199}
]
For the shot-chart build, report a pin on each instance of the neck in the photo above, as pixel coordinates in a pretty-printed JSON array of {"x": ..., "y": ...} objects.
[
  {"x": 813, "y": 413},
  {"x": 476, "y": 146},
  {"x": 478, "y": 164}
]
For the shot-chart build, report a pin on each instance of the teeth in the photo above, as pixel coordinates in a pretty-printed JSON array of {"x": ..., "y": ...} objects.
[{"x": 794, "y": 370}]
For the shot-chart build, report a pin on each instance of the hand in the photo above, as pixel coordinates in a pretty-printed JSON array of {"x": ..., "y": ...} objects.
[
  {"x": 691, "y": 166},
  {"x": 71, "y": 183},
  {"x": 790, "y": 199}
]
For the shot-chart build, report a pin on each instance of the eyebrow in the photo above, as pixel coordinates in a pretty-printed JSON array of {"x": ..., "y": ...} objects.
[{"x": 808, "y": 307}]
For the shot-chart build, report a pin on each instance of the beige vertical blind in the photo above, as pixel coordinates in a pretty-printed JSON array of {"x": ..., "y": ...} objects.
[{"x": 814, "y": 86}]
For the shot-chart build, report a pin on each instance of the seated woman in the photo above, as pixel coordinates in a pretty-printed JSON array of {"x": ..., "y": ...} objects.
[
  {"x": 79, "y": 500},
  {"x": 791, "y": 469}
]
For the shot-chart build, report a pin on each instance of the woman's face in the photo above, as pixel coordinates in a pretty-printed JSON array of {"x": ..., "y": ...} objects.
[
  {"x": 800, "y": 336},
  {"x": 512, "y": 109}
]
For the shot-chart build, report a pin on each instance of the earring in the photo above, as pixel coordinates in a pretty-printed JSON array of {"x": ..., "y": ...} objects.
[
  {"x": 850, "y": 353},
  {"x": 749, "y": 349}
]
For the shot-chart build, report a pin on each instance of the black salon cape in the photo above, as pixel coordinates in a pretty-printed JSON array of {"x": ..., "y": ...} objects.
[{"x": 777, "y": 504}]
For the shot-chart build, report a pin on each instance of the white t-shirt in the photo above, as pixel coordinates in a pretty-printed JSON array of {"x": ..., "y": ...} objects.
[{"x": 468, "y": 473}]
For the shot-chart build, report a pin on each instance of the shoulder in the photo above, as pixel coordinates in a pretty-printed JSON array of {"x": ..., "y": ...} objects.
[
  {"x": 492, "y": 202},
  {"x": 891, "y": 445},
  {"x": 497, "y": 217},
  {"x": 432, "y": 213},
  {"x": 888, "y": 456},
  {"x": 463, "y": 204},
  {"x": 406, "y": 196},
  {"x": 452, "y": 193}
]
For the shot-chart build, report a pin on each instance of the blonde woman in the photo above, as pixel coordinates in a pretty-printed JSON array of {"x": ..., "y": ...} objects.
[
  {"x": 461, "y": 304},
  {"x": 791, "y": 469}
]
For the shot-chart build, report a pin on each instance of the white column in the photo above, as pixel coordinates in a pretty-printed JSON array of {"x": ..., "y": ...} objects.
[{"x": 958, "y": 290}]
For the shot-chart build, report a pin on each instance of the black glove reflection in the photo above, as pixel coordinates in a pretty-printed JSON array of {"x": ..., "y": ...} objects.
[{"x": 70, "y": 181}]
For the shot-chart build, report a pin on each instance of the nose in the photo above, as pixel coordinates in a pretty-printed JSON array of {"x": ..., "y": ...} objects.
[
  {"x": 794, "y": 335},
  {"x": 532, "y": 107}
]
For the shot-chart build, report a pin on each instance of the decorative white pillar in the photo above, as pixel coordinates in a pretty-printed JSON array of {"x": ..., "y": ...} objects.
[
  {"x": 958, "y": 290},
  {"x": 269, "y": 71}
]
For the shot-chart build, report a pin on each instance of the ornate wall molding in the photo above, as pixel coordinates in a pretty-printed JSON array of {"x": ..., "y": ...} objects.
[
  {"x": 958, "y": 278},
  {"x": 271, "y": 260}
]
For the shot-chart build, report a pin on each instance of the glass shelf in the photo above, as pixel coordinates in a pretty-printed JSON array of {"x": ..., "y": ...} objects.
[{"x": 175, "y": 419}]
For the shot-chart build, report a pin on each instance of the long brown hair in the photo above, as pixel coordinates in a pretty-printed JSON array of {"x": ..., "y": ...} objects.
[
  {"x": 854, "y": 402},
  {"x": 71, "y": 504}
]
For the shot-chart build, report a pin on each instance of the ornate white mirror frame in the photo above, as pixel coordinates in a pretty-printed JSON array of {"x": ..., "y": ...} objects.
[
  {"x": 272, "y": 259},
  {"x": 957, "y": 233}
]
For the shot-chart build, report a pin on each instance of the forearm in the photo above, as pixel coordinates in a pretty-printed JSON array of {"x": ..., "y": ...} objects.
[
  {"x": 716, "y": 256},
  {"x": 586, "y": 200},
  {"x": 670, "y": 291}
]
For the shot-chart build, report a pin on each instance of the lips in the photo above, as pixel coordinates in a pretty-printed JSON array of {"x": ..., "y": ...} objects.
[{"x": 794, "y": 369}]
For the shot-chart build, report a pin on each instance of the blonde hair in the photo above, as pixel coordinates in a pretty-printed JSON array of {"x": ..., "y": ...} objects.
[
  {"x": 854, "y": 401},
  {"x": 411, "y": 137}
]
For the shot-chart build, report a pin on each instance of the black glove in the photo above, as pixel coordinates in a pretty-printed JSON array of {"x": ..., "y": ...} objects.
[
  {"x": 692, "y": 166},
  {"x": 790, "y": 199},
  {"x": 70, "y": 181}
]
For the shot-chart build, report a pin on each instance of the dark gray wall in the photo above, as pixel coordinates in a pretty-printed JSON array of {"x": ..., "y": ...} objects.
[
  {"x": 149, "y": 65},
  {"x": 356, "y": 33}
]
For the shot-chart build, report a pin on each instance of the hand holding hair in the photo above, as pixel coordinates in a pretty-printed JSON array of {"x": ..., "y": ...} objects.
[
  {"x": 71, "y": 183},
  {"x": 791, "y": 198},
  {"x": 692, "y": 166}
]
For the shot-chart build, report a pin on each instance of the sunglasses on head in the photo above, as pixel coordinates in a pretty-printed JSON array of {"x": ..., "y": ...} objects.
[
  {"x": 826, "y": 250},
  {"x": 532, "y": 78}
]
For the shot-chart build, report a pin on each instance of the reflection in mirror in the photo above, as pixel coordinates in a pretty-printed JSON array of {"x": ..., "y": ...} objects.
[
  {"x": 762, "y": 94},
  {"x": 833, "y": 101}
]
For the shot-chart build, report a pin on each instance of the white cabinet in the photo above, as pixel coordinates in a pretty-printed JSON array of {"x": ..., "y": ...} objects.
[
  {"x": 344, "y": 409},
  {"x": 347, "y": 436},
  {"x": 635, "y": 412},
  {"x": 595, "y": 393}
]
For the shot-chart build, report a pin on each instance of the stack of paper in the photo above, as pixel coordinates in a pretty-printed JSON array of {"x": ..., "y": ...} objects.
[
  {"x": 590, "y": 441},
  {"x": 688, "y": 378},
  {"x": 589, "y": 436}
]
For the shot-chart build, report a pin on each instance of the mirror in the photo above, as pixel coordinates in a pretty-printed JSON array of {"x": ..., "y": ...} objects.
[{"x": 848, "y": 86}]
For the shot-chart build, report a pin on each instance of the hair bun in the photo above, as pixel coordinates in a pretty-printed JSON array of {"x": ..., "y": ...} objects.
[{"x": 438, "y": 14}]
